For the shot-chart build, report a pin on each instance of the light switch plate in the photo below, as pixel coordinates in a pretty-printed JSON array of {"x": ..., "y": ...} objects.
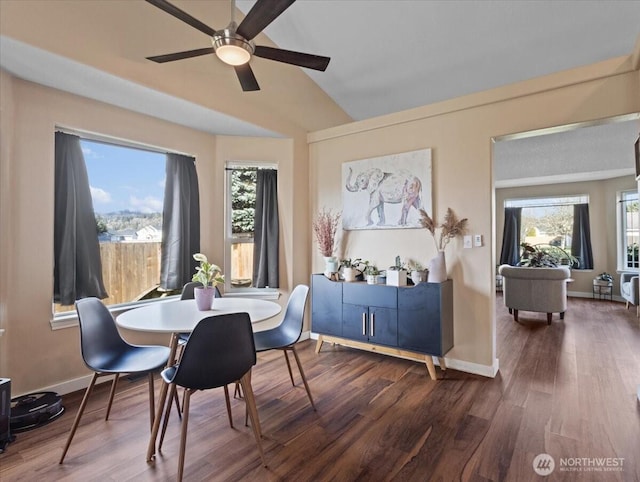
[
  {"x": 477, "y": 240},
  {"x": 467, "y": 242}
]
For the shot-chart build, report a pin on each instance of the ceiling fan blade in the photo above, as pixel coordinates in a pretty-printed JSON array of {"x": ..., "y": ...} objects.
[
  {"x": 182, "y": 15},
  {"x": 309, "y": 61},
  {"x": 261, "y": 14},
  {"x": 161, "y": 59},
  {"x": 247, "y": 79}
]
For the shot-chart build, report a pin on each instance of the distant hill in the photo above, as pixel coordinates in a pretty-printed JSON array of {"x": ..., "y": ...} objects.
[{"x": 123, "y": 220}]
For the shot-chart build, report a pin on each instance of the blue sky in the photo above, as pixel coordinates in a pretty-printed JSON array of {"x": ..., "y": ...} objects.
[{"x": 123, "y": 178}]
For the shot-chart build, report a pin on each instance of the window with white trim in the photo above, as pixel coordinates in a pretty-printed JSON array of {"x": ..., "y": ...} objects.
[{"x": 628, "y": 231}]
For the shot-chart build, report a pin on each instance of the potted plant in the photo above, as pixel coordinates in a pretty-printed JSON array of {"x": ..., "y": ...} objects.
[
  {"x": 209, "y": 275},
  {"x": 324, "y": 227},
  {"x": 418, "y": 273},
  {"x": 451, "y": 228},
  {"x": 543, "y": 256},
  {"x": 350, "y": 269},
  {"x": 397, "y": 274},
  {"x": 371, "y": 273}
]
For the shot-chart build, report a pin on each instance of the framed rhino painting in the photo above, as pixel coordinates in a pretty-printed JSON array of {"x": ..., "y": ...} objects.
[{"x": 386, "y": 192}]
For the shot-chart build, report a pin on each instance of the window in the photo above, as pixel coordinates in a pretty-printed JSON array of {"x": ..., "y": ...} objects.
[
  {"x": 241, "y": 184},
  {"x": 127, "y": 191},
  {"x": 557, "y": 224},
  {"x": 628, "y": 232}
]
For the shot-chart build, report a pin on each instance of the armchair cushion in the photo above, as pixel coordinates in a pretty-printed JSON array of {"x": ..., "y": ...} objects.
[
  {"x": 541, "y": 290},
  {"x": 629, "y": 287}
]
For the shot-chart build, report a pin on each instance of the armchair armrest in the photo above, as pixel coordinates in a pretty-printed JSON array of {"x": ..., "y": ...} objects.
[{"x": 626, "y": 277}]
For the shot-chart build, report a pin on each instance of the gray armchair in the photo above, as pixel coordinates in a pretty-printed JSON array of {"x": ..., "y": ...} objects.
[
  {"x": 629, "y": 290},
  {"x": 543, "y": 290}
]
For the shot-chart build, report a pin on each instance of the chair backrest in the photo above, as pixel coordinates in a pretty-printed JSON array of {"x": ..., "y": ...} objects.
[
  {"x": 100, "y": 340},
  {"x": 187, "y": 290},
  {"x": 220, "y": 351},
  {"x": 291, "y": 327}
]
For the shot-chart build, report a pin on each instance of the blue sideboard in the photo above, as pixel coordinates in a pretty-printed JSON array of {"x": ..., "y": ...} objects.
[{"x": 414, "y": 322}]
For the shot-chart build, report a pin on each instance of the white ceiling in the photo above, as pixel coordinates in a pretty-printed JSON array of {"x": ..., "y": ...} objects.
[{"x": 386, "y": 56}]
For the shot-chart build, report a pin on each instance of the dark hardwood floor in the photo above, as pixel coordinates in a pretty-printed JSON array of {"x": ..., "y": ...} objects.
[{"x": 568, "y": 390}]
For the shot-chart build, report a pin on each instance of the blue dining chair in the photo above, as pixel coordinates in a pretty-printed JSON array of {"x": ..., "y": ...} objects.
[
  {"x": 219, "y": 351},
  {"x": 106, "y": 353},
  {"x": 286, "y": 334}
]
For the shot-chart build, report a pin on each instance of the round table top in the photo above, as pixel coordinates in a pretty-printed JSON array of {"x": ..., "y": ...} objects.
[{"x": 182, "y": 316}]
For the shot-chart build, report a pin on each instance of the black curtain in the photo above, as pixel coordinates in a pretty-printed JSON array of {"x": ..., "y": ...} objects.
[
  {"x": 581, "y": 236},
  {"x": 180, "y": 222},
  {"x": 510, "y": 253},
  {"x": 77, "y": 269},
  {"x": 266, "y": 237}
]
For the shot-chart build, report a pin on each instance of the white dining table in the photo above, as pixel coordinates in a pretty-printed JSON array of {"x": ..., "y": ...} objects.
[{"x": 182, "y": 316}]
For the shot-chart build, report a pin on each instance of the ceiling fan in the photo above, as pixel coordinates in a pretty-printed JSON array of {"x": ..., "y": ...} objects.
[{"x": 233, "y": 45}]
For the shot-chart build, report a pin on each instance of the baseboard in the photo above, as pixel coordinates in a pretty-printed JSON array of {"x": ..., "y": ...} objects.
[
  {"x": 583, "y": 294},
  {"x": 489, "y": 371},
  {"x": 69, "y": 386}
]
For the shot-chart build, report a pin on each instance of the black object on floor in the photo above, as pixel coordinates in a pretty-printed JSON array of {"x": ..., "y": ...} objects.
[{"x": 34, "y": 410}]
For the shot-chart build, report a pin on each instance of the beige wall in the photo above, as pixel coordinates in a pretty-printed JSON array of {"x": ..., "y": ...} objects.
[
  {"x": 460, "y": 133},
  {"x": 31, "y": 354},
  {"x": 603, "y": 210}
]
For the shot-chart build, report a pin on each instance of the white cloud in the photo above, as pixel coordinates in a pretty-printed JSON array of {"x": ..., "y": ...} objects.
[
  {"x": 162, "y": 182},
  {"x": 100, "y": 195},
  {"x": 90, "y": 153},
  {"x": 149, "y": 204}
]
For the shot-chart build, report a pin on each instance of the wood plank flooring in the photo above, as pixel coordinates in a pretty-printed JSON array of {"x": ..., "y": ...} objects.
[{"x": 568, "y": 390}]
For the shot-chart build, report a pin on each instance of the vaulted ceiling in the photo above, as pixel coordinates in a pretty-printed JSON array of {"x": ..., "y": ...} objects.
[{"x": 386, "y": 56}]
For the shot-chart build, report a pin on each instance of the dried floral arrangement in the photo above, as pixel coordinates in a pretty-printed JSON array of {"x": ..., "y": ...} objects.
[
  {"x": 325, "y": 227},
  {"x": 452, "y": 227}
]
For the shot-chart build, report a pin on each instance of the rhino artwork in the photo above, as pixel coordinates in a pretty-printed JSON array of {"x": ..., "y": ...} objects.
[{"x": 387, "y": 187}]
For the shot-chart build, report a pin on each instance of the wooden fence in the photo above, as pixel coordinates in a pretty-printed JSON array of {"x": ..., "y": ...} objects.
[{"x": 131, "y": 271}]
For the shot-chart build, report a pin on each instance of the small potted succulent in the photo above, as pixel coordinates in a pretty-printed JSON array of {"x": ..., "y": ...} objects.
[
  {"x": 397, "y": 274},
  {"x": 371, "y": 273},
  {"x": 418, "y": 273},
  {"x": 210, "y": 275},
  {"x": 350, "y": 269}
]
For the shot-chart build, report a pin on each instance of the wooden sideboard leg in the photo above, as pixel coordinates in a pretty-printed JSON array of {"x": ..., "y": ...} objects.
[
  {"x": 319, "y": 344},
  {"x": 443, "y": 365},
  {"x": 431, "y": 367}
]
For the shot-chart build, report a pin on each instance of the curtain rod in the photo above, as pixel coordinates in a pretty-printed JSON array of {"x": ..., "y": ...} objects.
[{"x": 106, "y": 139}]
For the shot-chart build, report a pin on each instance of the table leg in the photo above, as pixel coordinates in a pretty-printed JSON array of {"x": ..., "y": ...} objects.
[
  {"x": 319, "y": 344},
  {"x": 431, "y": 367}
]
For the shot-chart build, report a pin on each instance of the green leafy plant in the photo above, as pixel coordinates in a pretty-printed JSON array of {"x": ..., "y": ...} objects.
[
  {"x": 207, "y": 273},
  {"x": 349, "y": 263},
  {"x": 545, "y": 256},
  {"x": 605, "y": 277},
  {"x": 370, "y": 269}
]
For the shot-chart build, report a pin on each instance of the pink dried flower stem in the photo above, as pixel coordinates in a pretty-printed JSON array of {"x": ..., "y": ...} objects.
[{"x": 325, "y": 227}]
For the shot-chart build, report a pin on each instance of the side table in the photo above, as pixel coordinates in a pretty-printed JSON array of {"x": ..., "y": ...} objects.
[{"x": 603, "y": 289}]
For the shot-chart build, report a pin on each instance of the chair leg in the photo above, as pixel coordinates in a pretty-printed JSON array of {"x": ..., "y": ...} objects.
[
  {"x": 151, "y": 450},
  {"x": 228, "y": 402},
  {"x": 237, "y": 393},
  {"x": 515, "y": 315},
  {"x": 152, "y": 394},
  {"x": 549, "y": 317},
  {"x": 111, "y": 395},
  {"x": 245, "y": 381},
  {"x": 183, "y": 433},
  {"x": 83, "y": 404},
  {"x": 167, "y": 413},
  {"x": 627, "y": 305},
  {"x": 177, "y": 401},
  {"x": 304, "y": 378},
  {"x": 286, "y": 357}
]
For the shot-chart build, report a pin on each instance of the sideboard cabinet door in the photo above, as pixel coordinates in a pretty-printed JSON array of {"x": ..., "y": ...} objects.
[{"x": 326, "y": 305}]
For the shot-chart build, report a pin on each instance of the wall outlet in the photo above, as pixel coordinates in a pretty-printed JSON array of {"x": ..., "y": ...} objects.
[
  {"x": 467, "y": 242},
  {"x": 477, "y": 240}
]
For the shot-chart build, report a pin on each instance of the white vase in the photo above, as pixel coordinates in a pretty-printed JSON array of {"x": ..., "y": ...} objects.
[
  {"x": 330, "y": 265},
  {"x": 372, "y": 279},
  {"x": 438, "y": 269},
  {"x": 396, "y": 277}
]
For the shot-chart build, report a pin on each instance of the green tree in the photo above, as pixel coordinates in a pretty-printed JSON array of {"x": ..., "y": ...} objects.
[
  {"x": 243, "y": 195},
  {"x": 101, "y": 225}
]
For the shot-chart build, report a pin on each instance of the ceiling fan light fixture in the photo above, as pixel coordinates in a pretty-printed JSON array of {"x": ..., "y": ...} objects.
[{"x": 231, "y": 48}]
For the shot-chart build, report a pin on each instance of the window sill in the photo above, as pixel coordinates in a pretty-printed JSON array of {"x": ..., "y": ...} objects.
[{"x": 70, "y": 319}]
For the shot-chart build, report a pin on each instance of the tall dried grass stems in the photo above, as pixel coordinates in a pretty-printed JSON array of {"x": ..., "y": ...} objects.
[
  {"x": 325, "y": 227},
  {"x": 452, "y": 227}
]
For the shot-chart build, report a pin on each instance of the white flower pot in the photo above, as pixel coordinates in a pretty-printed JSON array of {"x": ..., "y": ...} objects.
[
  {"x": 372, "y": 279},
  {"x": 349, "y": 274},
  {"x": 396, "y": 277},
  {"x": 418, "y": 276}
]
